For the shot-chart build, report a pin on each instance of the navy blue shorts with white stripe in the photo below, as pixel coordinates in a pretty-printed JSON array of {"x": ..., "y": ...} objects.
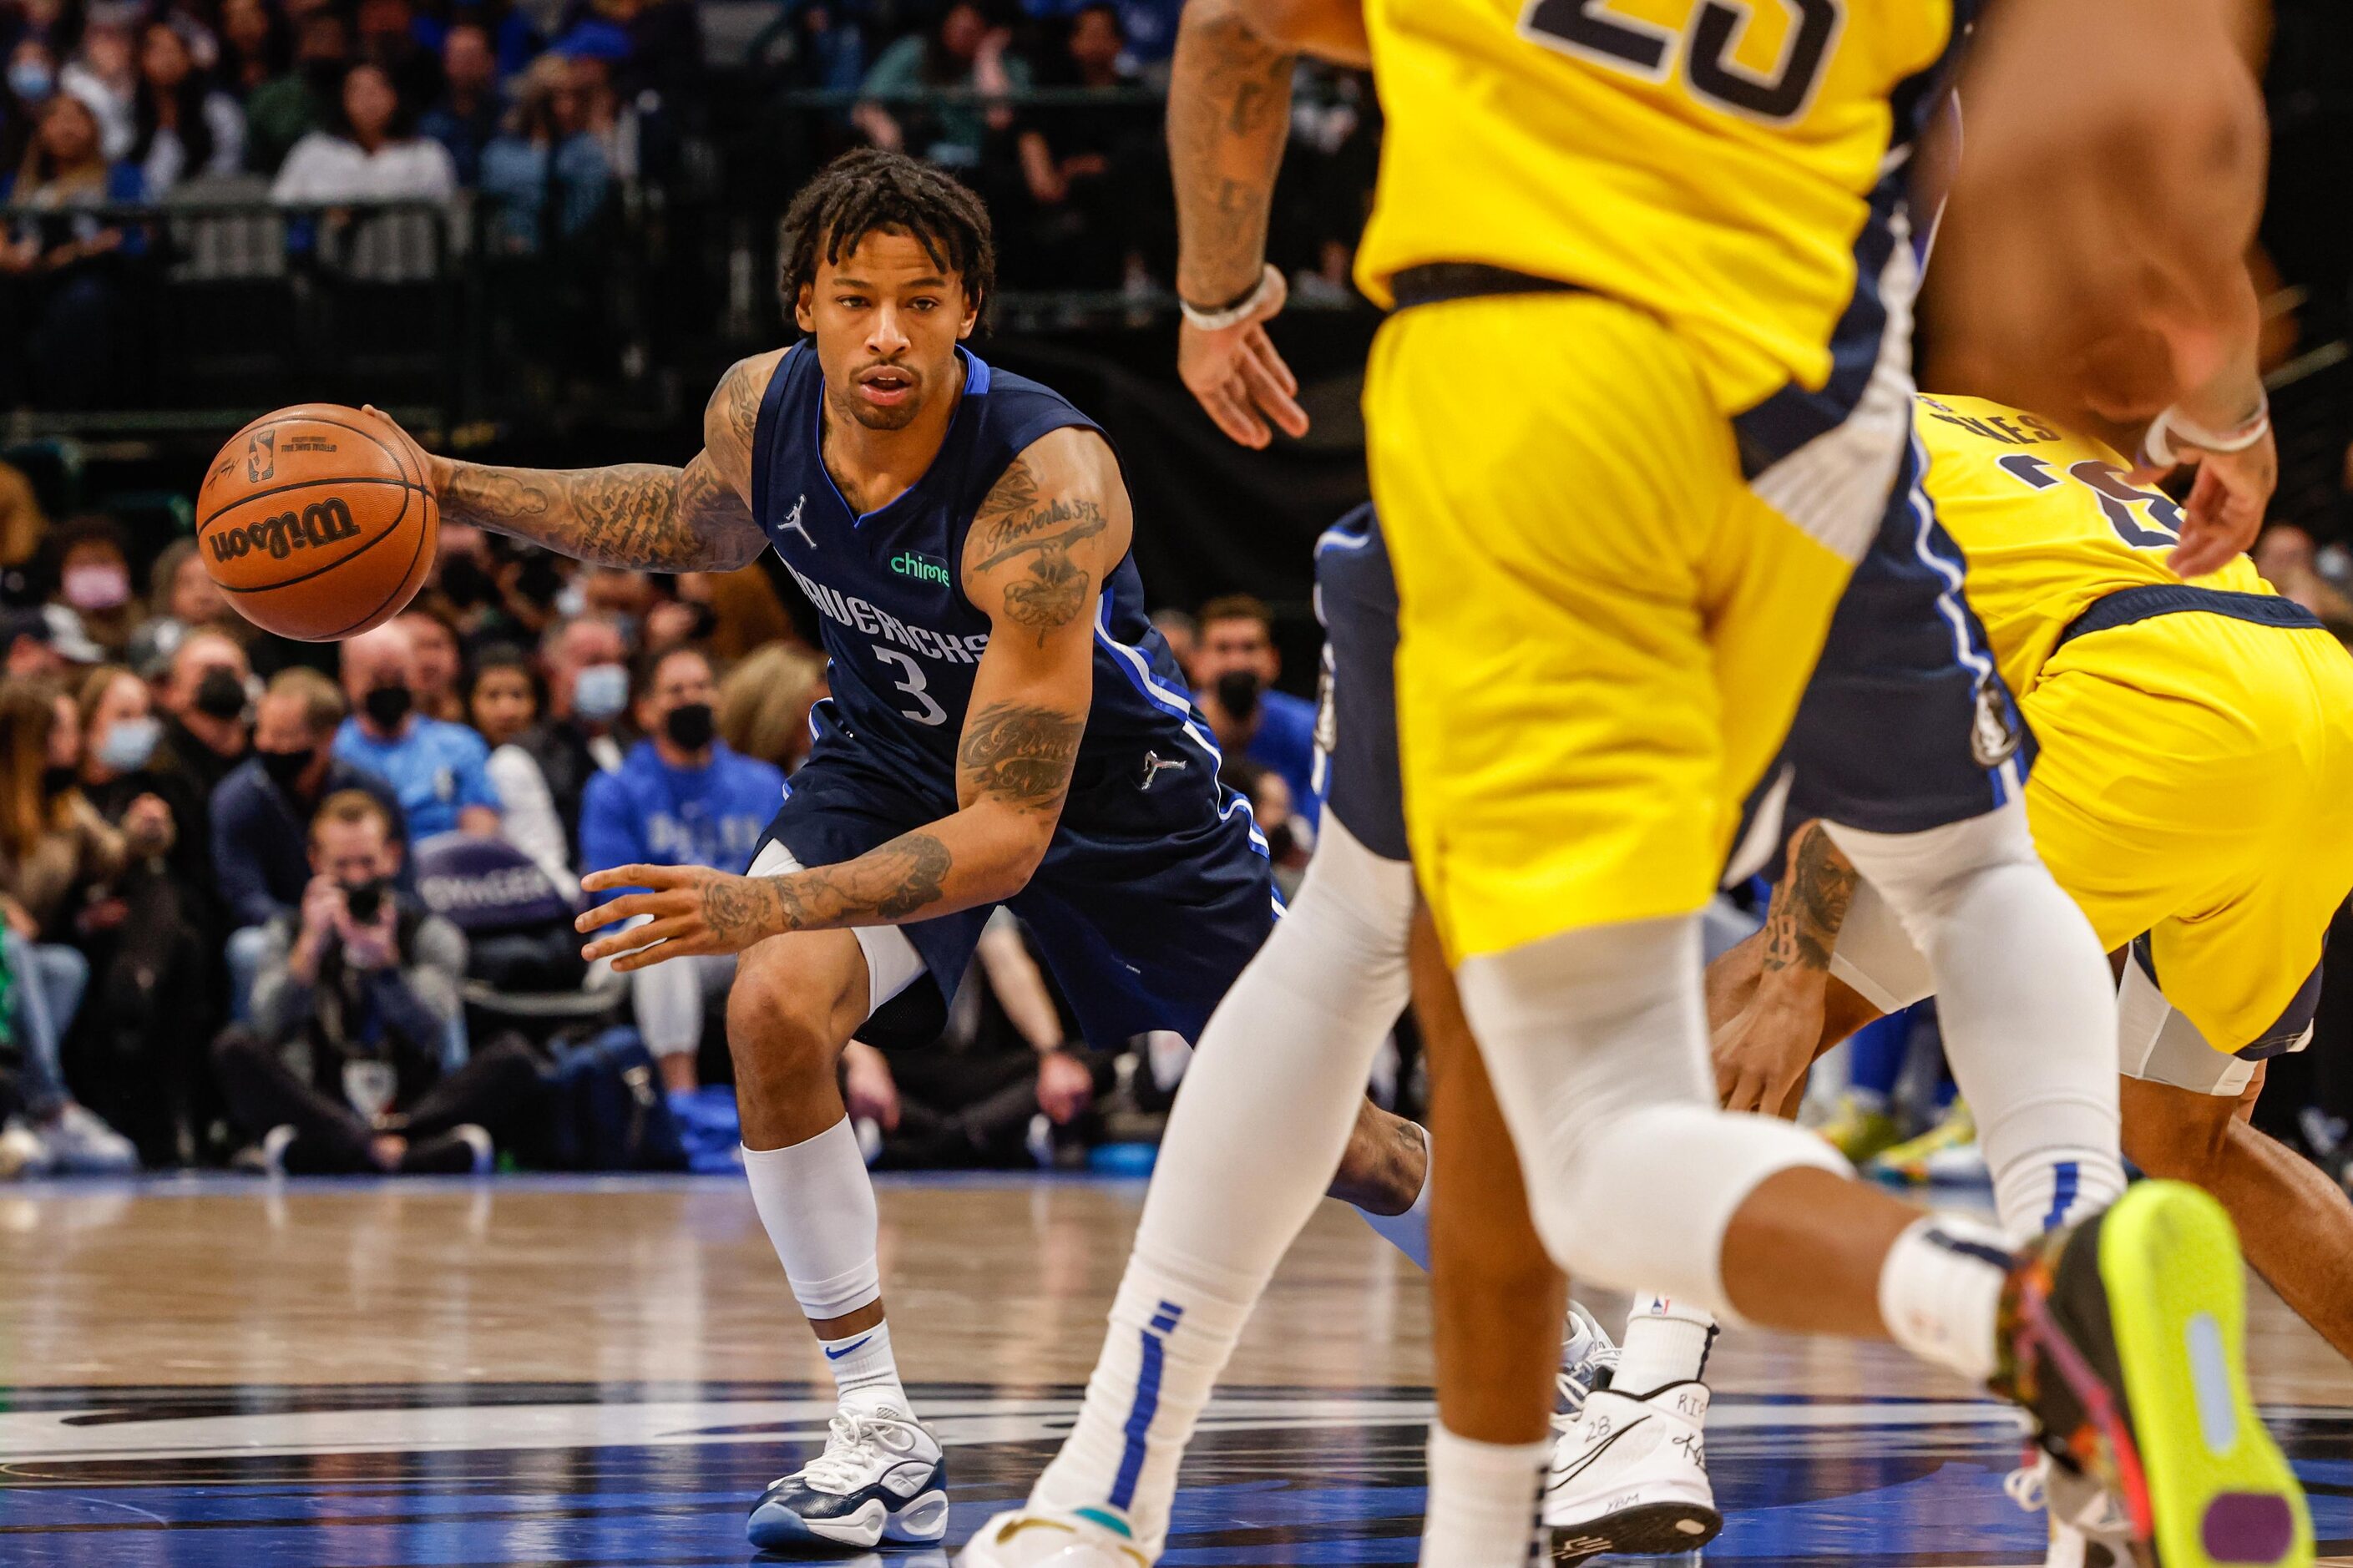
[
  {"x": 1906, "y": 724},
  {"x": 1148, "y": 905}
]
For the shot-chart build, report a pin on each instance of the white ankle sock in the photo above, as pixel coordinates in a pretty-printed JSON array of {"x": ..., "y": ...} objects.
[
  {"x": 1940, "y": 1292},
  {"x": 864, "y": 1373},
  {"x": 1666, "y": 1341},
  {"x": 1482, "y": 1511},
  {"x": 1410, "y": 1232}
]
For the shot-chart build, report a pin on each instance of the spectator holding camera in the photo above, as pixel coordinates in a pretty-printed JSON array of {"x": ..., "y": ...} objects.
[
  {"x": 1234, "y": 668},
  {"x": 682, "y": 797},
  {"x": 435, "y": 767},
  {"x": 344, "y": 1065},
  {"x": 262, "y": 814}
]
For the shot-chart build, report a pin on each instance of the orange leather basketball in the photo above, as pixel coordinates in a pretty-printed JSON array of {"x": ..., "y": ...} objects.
[{"x": 317, "y": 522}]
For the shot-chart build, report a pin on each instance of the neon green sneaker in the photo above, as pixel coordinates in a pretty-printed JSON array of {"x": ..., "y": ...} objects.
[
  {"x": 2124, "y": 1338},
  {"x": 1945, "y": 1153},
  {"x": 1859, "y": 1129}
]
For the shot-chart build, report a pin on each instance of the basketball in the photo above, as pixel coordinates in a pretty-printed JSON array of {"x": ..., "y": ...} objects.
[{"x": 317, "y": 522}]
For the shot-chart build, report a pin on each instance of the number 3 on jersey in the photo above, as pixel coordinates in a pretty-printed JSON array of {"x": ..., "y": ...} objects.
[
  {"x": 928, "y": 710},
  {"x": 1589, "y": 30}
]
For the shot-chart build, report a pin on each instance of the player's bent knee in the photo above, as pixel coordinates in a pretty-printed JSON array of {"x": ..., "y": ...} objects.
[
  {"x": 2176, "y": 1133},
  {"x": 1654, "y": 1191},
  {"x": 788, "y": 1017}
]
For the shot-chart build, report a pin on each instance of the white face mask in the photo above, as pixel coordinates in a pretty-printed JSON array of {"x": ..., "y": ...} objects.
[
  {"x": 600, "y": 691},
  {"x": 129, "y": 742}
]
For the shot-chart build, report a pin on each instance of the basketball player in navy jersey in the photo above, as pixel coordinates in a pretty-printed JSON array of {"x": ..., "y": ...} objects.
[{"x": 1005, "y": 727}]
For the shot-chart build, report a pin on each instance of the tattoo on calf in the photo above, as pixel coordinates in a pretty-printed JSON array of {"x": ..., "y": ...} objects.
[{"x": 1021, "y": 754}]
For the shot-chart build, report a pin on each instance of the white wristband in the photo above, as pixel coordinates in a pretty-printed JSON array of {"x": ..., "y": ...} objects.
[
  {"x": 1233, "y": 315},
  {"x": 2171, "y": 423}
]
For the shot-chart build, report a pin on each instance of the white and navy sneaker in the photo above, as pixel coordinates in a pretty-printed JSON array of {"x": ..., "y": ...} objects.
[
  {"x": 881, "y": 1478},
  {"x": 1630, "y": 1475},
  {"x": 1589, "y": 1357},
  {"x": 1033, "y": 1537}
]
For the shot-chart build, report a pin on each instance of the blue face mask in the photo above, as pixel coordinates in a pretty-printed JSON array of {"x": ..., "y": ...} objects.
[
  {"x": 600, "y": 692},
  {"x": 128, "y": 743},
  {"x": 31, "y": 81}
]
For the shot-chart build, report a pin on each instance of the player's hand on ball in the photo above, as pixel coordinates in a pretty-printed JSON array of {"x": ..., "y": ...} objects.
[
  {"x": 695, "y": 909},
  {"x": 436, "y": 468},
  {"x": 1239, "y": 377}
]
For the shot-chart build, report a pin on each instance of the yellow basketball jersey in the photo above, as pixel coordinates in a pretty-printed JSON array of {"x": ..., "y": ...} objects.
[
  {"x": 1731, "y": 166},
  {"x": 2049, "y": 523}
]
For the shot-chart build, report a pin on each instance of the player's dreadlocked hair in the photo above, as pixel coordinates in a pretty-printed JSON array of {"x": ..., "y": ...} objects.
[{"x": 870, "y": 190}]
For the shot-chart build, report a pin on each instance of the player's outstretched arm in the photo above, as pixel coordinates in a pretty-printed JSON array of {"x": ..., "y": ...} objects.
[
  {"x": 643, "y": 515},
  {"x": 1229, "y": 114},
  {"x": 1035, "y": 561}
]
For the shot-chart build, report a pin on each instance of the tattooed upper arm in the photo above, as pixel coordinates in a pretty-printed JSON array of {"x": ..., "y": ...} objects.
[{"x": 1052, "y": 529}]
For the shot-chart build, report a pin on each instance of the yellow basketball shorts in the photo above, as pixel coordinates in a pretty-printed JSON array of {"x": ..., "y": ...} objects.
[
  {"x": 1603, "y": 628},
  {"x": 2195, "y": 783}
]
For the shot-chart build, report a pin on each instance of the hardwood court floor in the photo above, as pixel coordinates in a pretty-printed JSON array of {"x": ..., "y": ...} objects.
[{"x": 528, "y": 1370}]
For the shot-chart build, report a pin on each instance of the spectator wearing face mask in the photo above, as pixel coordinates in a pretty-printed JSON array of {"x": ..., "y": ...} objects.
[
  {"x": 1234, "y": 669},
  {"x": 344, "y": 1066},
  {"x": 588, "y": 691},
  {"x": 440, "y": 665},
  {"x": 682, "y": 797},
  {"x": 262, "y": 814},
  {"x": 204, "y": 737},
  {"x": 504, "y": 696},
  {"x": 50, "y": 842},
  {"x": 94, "y": 580},
  {"x": 141, "y": 928},
  {"x": 434, "y": 766}
]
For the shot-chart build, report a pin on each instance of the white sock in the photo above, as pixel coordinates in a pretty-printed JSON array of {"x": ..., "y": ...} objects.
[
  {"x": 864, "y": 1373},
  {"x": 1256, "y": 1133},
  {"x": 818, "y": 1205},
  {"x": 1667, "y": 1340},
  {"x": 2055, "y": 1187},
  {"x": 1482, "y": 1511},
  {"x": 1940, "y": 1292},
  {"x": 1410, "y": 1232}
]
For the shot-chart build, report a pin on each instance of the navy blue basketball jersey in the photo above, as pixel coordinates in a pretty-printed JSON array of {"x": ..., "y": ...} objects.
[{"x": 903, "y": 642}]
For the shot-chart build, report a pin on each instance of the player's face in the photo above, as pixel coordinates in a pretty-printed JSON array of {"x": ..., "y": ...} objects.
[{"x": 887, "y": 319}]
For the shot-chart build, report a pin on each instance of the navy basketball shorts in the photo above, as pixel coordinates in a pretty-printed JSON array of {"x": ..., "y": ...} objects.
[
  {"x": 1356, "y": 720},
  {"x": 1145, "y": 909}
]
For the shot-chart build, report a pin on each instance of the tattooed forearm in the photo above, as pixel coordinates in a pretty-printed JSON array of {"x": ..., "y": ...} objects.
[
  {"x": 1229, "y": 114},
  {"x": 1020, "y": 754},
  {"x": 885, "y": 885},
  {"x": 1801, "y": 928},
  {"x": 1027, "y": 539},
  {"x": 644, "y": 515},
  {"x": 635, "y": 514}
]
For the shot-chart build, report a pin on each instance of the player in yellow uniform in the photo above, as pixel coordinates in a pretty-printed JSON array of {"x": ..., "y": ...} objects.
[
  {"x": 2193, "y": 793},
  {"x": 1640, "y": 408}
]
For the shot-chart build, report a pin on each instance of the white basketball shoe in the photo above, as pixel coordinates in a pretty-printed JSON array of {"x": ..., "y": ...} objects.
[
  {"x": 1034, "y": 1537},
  {"x": 1630, "y": 1475},
  {"x": 881, "y": 1477}
]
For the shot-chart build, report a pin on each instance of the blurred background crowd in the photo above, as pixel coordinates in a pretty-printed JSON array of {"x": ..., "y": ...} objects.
[{"x": 308, "y": 908}]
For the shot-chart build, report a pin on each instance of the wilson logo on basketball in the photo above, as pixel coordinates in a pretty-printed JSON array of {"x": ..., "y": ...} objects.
[{"x": 321, "y": 522}]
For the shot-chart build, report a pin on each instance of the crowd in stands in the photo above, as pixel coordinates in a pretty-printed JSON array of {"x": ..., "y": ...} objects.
[
  {"x": 546, "y": 113},
  {"x": 307, "y": 907}
]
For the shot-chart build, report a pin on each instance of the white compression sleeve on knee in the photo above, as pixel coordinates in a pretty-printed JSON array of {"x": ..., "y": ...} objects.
[
  {"x": 2027, "y": 1006},
  {"x": 1257, "y": 1131},
  {"x": 817, "y": 1204},
  {"x": 1595, "y": 1040}
]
